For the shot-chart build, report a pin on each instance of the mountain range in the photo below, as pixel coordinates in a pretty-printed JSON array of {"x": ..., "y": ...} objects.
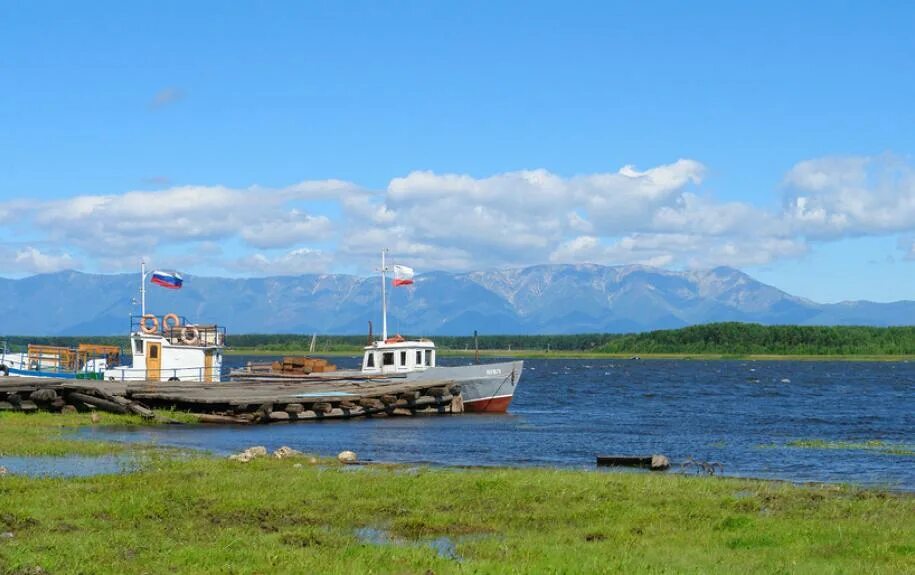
[{"x": 542, "y": 299}]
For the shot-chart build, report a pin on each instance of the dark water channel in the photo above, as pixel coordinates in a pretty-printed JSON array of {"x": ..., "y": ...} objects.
[{"x": 744, "y": 414}]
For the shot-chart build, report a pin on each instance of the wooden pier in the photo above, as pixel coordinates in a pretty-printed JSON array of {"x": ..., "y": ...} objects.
[{"x": 260, "y": 399}]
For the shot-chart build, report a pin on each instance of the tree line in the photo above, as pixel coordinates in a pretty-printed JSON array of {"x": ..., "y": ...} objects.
[{"x": 714, "y": 338}]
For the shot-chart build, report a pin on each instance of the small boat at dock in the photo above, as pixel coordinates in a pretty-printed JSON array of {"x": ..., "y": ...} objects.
[{"x": 484, "y": 388}]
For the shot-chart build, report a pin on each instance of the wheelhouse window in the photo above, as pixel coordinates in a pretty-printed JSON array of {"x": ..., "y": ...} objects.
[
  {"x": 403, "y": 358},
  {"x": 419, "y": 357},
  {"x": 387, "y": 358},
  {"x": 138, "y": 346},
  {"x": 370, "y": 360},
  {"x": 429, "y": 357}
]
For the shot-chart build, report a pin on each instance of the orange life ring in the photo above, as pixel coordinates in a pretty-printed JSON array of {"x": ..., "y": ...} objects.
[
  {"x": 396, "y": 339},
  {"x": 176, "y": 321},
  {"x": 144, "y": 323},
  {"x": 190, "y": 334}
]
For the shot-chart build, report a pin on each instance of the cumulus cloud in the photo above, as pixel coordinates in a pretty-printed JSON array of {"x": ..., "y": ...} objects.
[
  {"x": 31, "y": 260},
  {"x": 850, "y": 196},
  {"x": 140, "y": 221},
  {"x": 295, "y": 262},
  {"x": 659, "y": 215}
]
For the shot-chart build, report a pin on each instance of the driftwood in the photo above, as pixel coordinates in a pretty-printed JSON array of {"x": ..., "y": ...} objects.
[{"x": 103, "y": 404}]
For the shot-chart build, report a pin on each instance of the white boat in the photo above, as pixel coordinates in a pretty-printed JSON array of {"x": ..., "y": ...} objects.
[
  {"x": 484, "y": 388},
  {"x": 170, "y": 349}
]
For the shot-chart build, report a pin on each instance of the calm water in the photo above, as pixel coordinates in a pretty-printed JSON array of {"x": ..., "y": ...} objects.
[{"x": 739, "y": 413}]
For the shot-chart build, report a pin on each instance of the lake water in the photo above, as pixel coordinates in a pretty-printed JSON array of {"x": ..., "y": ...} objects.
[{"x": 743, "y": 414}]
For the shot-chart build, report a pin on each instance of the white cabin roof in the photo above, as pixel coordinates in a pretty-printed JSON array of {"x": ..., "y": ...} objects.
[{"x": 405, "y": 344}]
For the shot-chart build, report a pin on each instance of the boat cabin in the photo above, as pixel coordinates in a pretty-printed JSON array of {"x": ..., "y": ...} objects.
[
  {"x": 398, "y": 355},
  {"x": 174, "y": 350}
]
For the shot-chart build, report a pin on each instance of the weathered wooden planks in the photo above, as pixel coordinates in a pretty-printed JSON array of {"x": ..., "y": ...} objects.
[{"x": 239, "y": 401}]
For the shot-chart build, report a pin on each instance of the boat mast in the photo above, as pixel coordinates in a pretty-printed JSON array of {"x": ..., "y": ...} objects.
[
  {"x": 142, "y": 287},
  {"x": 384, "y": 300}
]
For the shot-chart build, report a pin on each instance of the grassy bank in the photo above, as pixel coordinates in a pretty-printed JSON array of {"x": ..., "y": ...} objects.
[{"x": 206, "y": 515}]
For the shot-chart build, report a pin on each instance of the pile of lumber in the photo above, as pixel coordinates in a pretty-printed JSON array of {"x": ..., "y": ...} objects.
[{"x": 302, "y": 365}]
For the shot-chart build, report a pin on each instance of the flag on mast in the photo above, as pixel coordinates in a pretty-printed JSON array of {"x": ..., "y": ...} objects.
[
  {"x": 403, "y": 276},
  {"x": 170, "y": 280}
]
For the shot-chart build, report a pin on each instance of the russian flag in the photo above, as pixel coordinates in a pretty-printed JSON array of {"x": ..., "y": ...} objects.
[{"x": 170, "y": 280}]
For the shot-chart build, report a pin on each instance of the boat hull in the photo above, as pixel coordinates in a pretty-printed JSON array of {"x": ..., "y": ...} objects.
[{"x": 487, "y": 388}]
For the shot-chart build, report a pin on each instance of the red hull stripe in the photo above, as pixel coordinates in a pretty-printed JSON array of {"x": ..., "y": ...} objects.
[{"x": 488, "y": 405}]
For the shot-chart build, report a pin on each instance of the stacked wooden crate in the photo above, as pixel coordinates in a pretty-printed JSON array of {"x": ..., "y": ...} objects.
[{"x": 303, "y": 365}]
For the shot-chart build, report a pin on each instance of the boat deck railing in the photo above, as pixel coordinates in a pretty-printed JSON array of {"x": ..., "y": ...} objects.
[
  {"x": 203, "y": 374},
  {"x": 185, "y": 333}
]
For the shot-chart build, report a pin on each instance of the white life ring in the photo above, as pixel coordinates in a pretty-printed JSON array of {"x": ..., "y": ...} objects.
[
  {"x": 170, "y": 325},
  {"x": 190, "y": 334},
  {"x": 144, "y": 324}
]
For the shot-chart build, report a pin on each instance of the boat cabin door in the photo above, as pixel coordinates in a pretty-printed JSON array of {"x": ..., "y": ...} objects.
[
  {"x": 154, "y": 361},
  {"x": 208, "y": 365}
]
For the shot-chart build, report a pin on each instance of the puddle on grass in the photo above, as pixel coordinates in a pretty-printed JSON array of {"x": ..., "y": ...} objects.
[
  {"x": 67, "y": 466},
  {"x": 444, "y": 547}
]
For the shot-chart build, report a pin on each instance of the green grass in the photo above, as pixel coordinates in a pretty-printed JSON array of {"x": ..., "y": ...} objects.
[
  {"x": 203, "y": 515},
  {"x": 870, "y": 445},
  {"x": 48, "y": 434}
]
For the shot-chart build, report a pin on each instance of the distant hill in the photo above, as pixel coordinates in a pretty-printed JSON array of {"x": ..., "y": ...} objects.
[{"x": 555, "y": 299}]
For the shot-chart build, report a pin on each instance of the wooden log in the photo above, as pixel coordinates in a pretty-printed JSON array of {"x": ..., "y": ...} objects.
[
  {"x": 322, "y": 407},
  {"x": 211, "y": 418},
  {"x": 278, "y": 416},
  {"x": 388, "y": 399},
  {"x": 295, "y": 408},
  {"x": 624, "y": 460},
  {"x": 371, "y": 403},
  {"x": 98, "y": 402},
  {"x": 457, "y": 404},
  {"x": 140, "y": 410},
  {"x": 353, "y": 412},
  {"x": 400, "y": 411},
  {"x": 43, "y": 395},
  {"x": 27, "y": 405}
]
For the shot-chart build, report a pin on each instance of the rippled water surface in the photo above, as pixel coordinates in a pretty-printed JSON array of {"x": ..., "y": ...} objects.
[{"x": 743, "y": 414}]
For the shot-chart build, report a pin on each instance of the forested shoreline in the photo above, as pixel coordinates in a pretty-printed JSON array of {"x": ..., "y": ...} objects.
[{"x": 730, "y": 338}]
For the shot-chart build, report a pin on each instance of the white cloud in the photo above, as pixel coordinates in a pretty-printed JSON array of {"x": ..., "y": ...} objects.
[
  {"x": 295, "y": 262},
  {"x": 31, "y": 260},
  {"x": 292, "y": 229},
  {"x": 656, "y": 216},
  {"x": 850, "y": 196},
  {"x": 139, "y": 221}
]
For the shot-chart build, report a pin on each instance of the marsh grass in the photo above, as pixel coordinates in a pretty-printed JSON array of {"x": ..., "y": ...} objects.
[
  {"x": 869, "y": 445},
  {"x": 48, "y": 434},
  {"x": 198, "y": 514}
]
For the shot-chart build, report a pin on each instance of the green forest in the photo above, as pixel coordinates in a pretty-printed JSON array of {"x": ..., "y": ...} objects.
[
  {"x": 731, "y": 338},
  {"x": 750, "y": 338}
]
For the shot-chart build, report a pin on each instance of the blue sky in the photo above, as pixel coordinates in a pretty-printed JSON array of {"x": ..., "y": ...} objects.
[{"x": 284, "y": 138}]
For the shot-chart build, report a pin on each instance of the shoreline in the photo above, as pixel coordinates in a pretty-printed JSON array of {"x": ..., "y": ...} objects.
[
  {"x": 192, "y": 512},
  {"x": 540, "y": 354}
]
